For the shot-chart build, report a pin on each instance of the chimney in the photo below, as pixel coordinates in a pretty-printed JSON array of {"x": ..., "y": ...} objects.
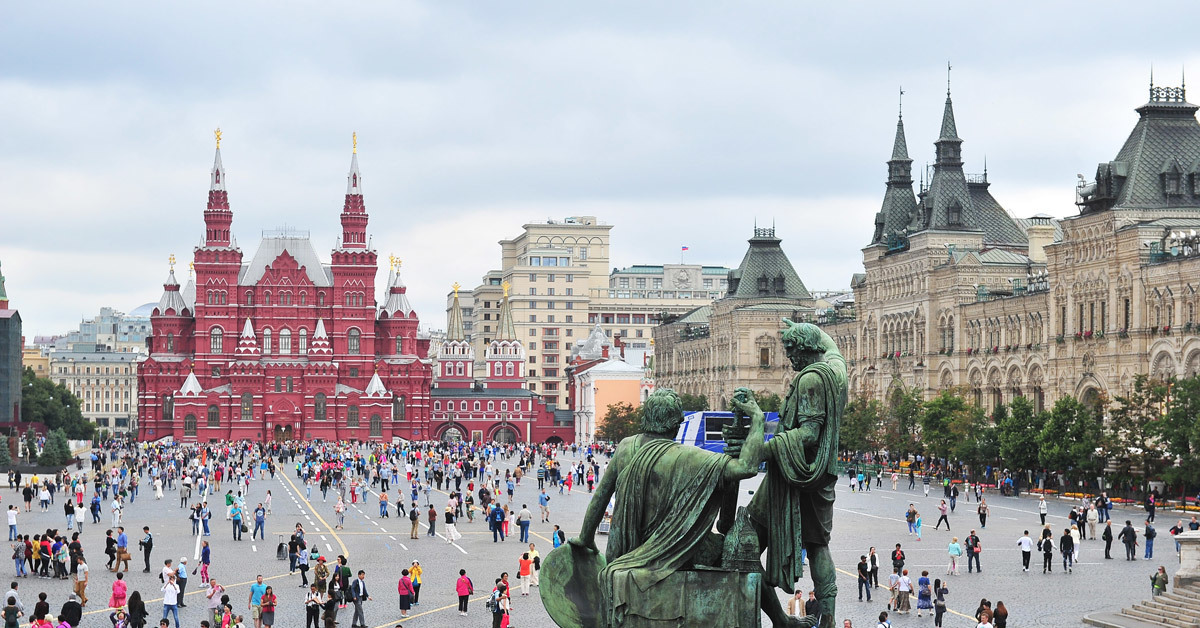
[{"x": 1040, "y": 233}]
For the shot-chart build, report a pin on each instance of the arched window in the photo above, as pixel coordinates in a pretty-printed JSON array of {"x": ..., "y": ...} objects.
[
  {"x": 399, "y": 346},
  {"x": 216, "y": 340},
  {"x": 247, "y": 406},
  {"x": 266, "y": 348},
  {"x": 303, "y": 342},
  {"x": 214, "y": 416},
  {"x": 168, "y": 407},
  {"x": 458, "y": 368},
  {"x": 267, "y": 298},
  {"x": 437, "y": 405},
  {"x": 352, "y": 416},
  {"x": 303, "y": 298},
  {"x": 491, "y": 406},
  {"x": 285, "y": 342},
  {"x": 376, "y": 426},
  {"x": 462, "y": 406},
  {"x": 399, "y": 408},
  {"x": 189, "y": 425},
  {"x": 504, "y": 406},
  {"x": 354, "y": 338},
  {"x": 249, "y": 297},
  {"x": 319, "y": 407},
  {"x": 170, "y": 342},
  {"x": 321, "y": 298},
  {"x": 476, "y": 406},
  {"x": 508, "y": 370}
]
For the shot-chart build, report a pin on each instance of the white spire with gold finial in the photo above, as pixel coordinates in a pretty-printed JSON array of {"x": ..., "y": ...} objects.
[{"x": 454, "y": 327}]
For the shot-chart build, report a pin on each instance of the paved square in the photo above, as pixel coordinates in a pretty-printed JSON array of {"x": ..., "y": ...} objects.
[{"x": 382, "y": 548}]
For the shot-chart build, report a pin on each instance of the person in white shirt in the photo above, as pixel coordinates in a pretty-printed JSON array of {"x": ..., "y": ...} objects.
[
  {"x": 12, "y": 522},
  {"x": 170, "y": 592},
  {"x": 1026, "y": 545}
]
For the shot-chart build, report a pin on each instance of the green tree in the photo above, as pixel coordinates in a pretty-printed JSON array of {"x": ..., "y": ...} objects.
[
  {"x": 43, "y": 401},
  {"x": 5, "y": 454},
  {"x": 768, "y": 401},
  {"x": 693, "y": 403},
  {"x": 1179, "y": 430},
  {"x": 951, "y": 427},
  {"x": 57, "y": 452},
  {"x": 902, "y": 420},
  {"x": 860, "y": 425},
  {"x": 1128, "y": 437},
  {"x": 1018, "y": 433},
  {"x": 621, "y": 420},
  {"x": 1071, "y": 438}
]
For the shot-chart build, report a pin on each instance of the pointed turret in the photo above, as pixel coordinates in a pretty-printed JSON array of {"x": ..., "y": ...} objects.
[
  {"x": 505, "y": 354},
  {"x": 3, "y": 294},
  {"x": 454, "y": 325},
  {"x": 189, "y": 290},
  {"x": 947, "y": 203},
  {"x": 397, "y": 299},
  {"x": 217, "y": 216},
  {"x": 319, "y": 347},
  {"x": 354, "y": 210},
  {"x": 247, "y": 347},
  {"x": 191, "y": 386},
  {"x": 899, "y": 202},
  {"x": 376, "y": 388},
  {"x": 171, "y": 302}
]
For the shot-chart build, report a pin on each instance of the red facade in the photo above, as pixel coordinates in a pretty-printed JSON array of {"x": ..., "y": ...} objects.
[{"x": 285, "y": 346}]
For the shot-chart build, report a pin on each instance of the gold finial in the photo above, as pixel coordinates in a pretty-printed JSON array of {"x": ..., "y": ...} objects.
[
  {"x": 398, "y": 263},
  {"x": 354, "y": 139},
  {"x": 191, "y": 267},
  {"x": 217, "y": 134},
  {"x": 456, "y": 287},
  {"x": 505, "y": 286},
  {"x": 171, "y": 261},
  {"x": 392, "y": 261}
]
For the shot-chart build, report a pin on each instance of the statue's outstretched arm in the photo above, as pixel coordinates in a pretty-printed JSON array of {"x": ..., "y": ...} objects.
[{"x": 751, "y": 456}]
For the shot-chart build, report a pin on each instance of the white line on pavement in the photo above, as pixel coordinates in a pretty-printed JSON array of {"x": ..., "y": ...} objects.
[
  {"x": 254, "y": 547},
  {"x": 328, "y": 547}
]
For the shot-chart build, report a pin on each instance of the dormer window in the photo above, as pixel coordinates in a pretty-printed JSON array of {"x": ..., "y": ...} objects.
[
  {"x": 954, "y": 214},
  {"x": 1171, "y": 183}
]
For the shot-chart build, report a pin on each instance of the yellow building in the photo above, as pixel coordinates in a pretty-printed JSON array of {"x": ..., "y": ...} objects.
[
  {"x": 599, "y": 379},
  {"x": 32, "y": 358}
]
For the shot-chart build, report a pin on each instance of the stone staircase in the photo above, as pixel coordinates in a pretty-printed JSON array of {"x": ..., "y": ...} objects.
[{"x": 1179, "y": 608}]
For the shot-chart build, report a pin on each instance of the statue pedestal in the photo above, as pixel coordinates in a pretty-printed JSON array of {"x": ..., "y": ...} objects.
[
  {"x": 1189, "y": 558},
  {"x": 706, "y": 597}
]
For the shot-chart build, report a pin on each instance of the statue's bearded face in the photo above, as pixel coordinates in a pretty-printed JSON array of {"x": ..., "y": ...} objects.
[{"x": 801, "y": 358}]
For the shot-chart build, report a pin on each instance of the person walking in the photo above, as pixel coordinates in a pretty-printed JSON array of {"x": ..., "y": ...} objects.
[
  {"x": 81, "y": 581},
  {"x": 924, "y": 593},
  {"x": 910, "y": 517},
  {"x": 268, "y": 600},
  {"x": 917, "y": 525},
  {"x": 1158, "y": 582},
  {"x": 1042, "y": 508},
  {"x": 404, "y": 589},
  {"x": 982, "y": 509},
  {"x": 359, "y": 595},
  {"x": 1026, "y": 545},
  {"x": 464, "y": 589},
  {"x": 414, "y": 516},
  {"x": 524, "y": 570},
  {"x": 1149, "y": 534},
  {"x": 205, "y": 561},
  {"x": 119, "y": 589},
  {"x": 1066, "y": 545},
  {"x": 1128, "y": 536},
  {"x": 940, "y": 591},
  {"x": 452, "y": 533},
  {"x": 260, "y": 522},
  {"x": 1000, "y": 615},
  {"x": 897, "y": 559},
  {"x": 873, "y": 561},
  {"x": 903, "y": 591},
  {"x": 524, "y": 518},
  {"x": 1093, "y": 517},
  {"x": 864, "y": 578},
  {"x": 432, "y": 516},
  {"x": 312, "y": 607},
  {"x": 1107, "y": 535},
  {"x": 943, "y": 509},
  {"x": 254, "y": 601},
  {"x": 1046, "y": 545},
  {"x": 235, "y": 513},
  {"x": 974, "y": 549},
  {"x": 955, "y": 551}
]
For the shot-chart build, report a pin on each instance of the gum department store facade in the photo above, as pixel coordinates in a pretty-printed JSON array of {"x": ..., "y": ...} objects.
[{"x": 958, "y": 293}]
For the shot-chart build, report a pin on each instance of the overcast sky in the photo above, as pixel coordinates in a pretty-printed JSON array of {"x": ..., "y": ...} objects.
[{"x": 677, "y": 122}]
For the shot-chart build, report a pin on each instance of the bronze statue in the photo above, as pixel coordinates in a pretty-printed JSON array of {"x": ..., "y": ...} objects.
[{"x": 664, "y": 566}]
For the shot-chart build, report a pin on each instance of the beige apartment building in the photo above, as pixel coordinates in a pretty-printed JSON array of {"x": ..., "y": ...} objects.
[
  {"x": 33, "y": 358},
  {"x": 561, "y": 286},
  {"x": 105, "y": 382}
]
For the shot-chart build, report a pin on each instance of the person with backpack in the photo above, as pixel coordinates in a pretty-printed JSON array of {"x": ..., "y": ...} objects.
[
  {"x": 1150, "y": 533},
  {"x": 1046, "y": 546},
  {"x": 414, "y": 516},
  {"x": 496, "y": 518},
  {"x": 464, "y": 588},
  {"x": 974, "y": 548}
]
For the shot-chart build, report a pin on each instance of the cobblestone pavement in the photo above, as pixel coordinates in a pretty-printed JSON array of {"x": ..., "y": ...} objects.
[{"x": 382, "y": 547}]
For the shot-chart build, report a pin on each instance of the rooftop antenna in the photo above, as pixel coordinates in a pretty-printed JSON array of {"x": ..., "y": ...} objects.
[
  {"x": 985, "y": 168},
  {"x": 901, "y": 102},
  {"x": 948, "y": 68}
]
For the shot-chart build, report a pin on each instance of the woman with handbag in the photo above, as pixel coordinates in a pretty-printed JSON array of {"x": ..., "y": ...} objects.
[{"x": 404, "y": 589}]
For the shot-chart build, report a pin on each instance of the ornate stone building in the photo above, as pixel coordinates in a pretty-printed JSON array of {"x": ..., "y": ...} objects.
[
  {"x": 735, "y": 342},
  {"x": 959, "y": 293}
]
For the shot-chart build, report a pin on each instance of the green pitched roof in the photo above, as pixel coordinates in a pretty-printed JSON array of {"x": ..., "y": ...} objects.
[{"x": 765, "y": 271}]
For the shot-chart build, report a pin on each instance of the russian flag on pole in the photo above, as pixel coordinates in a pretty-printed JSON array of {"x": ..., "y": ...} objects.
[{"x": 684, "y": 248}]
